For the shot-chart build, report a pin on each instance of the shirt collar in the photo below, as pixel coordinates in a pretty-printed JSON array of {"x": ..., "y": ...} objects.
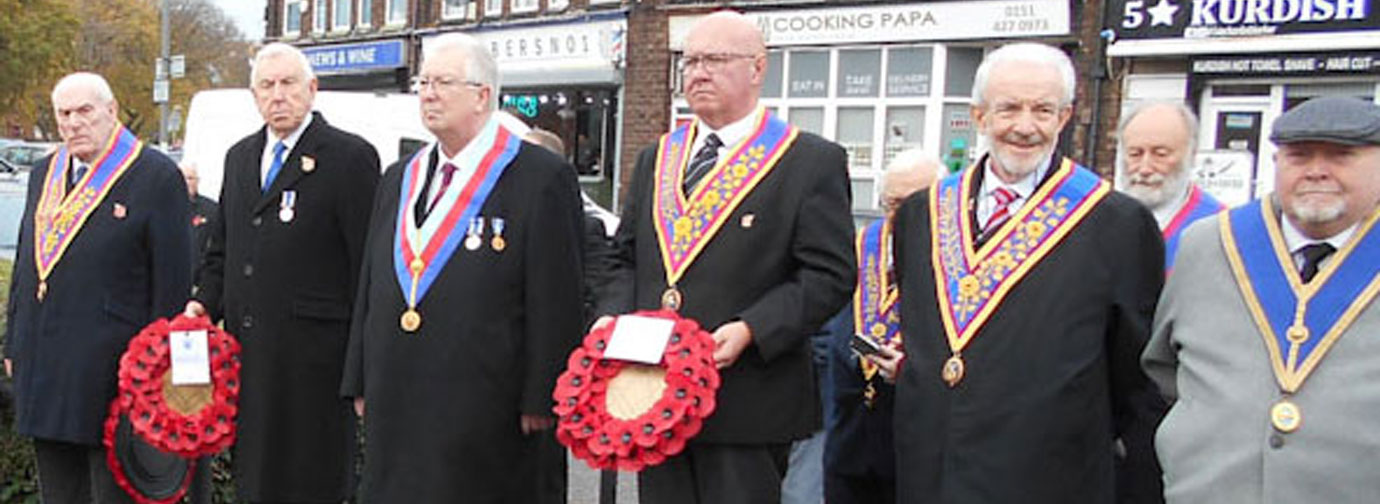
[
  {"x": 292, "y": 138},
  {"x": 1023, "y": 187},
  {"x": 1295, "y": 239},
  {"x": 731, "y": 133}
]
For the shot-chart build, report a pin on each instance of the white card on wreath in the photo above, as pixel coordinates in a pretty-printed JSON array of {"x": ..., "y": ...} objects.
[
  {"x": 639, "y": 339},
  {"x": 191, "y": 362}
]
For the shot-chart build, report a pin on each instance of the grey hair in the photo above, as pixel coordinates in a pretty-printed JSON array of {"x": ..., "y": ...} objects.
[
  {"x": 1189, "y": 118},
  {"x": 86, "y": 80},
  {"x": 916, "y": 159},
  {"x": 480, "y": 66},
  {"x": 278, "y": 49},
  {"x": 1027, "y": 52}
]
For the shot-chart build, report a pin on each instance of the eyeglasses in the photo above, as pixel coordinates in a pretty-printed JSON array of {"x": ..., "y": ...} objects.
[
  {"x": 441, "y": 83},
  {"x": 710, "y": 62}
]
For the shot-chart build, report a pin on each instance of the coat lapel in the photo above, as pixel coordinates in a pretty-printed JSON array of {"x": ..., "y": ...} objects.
[{"x": 292, "y": 166}]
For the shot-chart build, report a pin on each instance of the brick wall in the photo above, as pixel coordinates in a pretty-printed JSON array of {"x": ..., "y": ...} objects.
[
  {"x": 646, "y": 94},
  {"x": 1087, "y": 24}
]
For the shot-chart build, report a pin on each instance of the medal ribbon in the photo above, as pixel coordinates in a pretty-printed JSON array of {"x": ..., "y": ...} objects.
[
  {"x": 970, "y": 284},
  {"x": 1298, "y": 322},
  {"x": 685, "y": 226},
  {"x": 433, "y": 250},
  {"x": 60, "y": 214},
  {"x": 874, "y": 299},
  {"x": 1200, "y": 204}
]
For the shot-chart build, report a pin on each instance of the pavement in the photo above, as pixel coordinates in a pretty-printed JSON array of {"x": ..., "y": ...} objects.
[{"x": 583, "y": 485}]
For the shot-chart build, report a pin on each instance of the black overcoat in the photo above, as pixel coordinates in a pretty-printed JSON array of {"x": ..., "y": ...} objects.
[
  {"x": 443, "y": 403},
  {"x": 128, "y": 265},
  {"x": 285, "y": 289}
]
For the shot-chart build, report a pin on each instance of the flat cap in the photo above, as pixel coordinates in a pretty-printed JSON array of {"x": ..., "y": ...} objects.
[{"x": 1335, "y": 119}]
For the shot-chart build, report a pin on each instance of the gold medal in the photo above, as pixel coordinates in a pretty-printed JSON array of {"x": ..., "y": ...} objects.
[
  {"x": 878, "y": 330},
  {"x": 417, "y": 266},
  {"x": 1285, "y": 416},
  {"x": 953, "y": 370},
  {"x": 498, "y": 243},
  {"x": 42, "y": 289},
  {"x": 411, "y": 320},
  {"x": 670, "y": 300}
]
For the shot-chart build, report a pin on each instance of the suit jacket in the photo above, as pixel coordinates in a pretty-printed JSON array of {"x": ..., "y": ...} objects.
[
  {"x": 203, "y": 210},
  {"x": 1053, "y": 378},
  {"x": 1217, "y": 444},
  {"x": 443, "y": 402},
  {"x": 783, "y": 263},
  {"x": 123, "y": 269},
  {"x": 285, "y": 289}
]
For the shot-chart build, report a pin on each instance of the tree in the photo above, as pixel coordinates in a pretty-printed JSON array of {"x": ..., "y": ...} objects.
[
  {"x": 37, "y": 38},
  {"x": 216, "y": 53}
]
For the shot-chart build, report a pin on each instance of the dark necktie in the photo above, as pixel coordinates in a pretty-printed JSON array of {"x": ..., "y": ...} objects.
[
  {"x": 447, "y": 173},
  {"x": 704, "y": 160},
  {"x": 1313, "y": 254},
  {"x": 78, "y": 170}
]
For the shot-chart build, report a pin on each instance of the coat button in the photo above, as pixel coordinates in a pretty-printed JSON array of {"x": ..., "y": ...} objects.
[
  {"x": 249, "y": 270},
  {"x": 257, "y": 221},
  {"x": 1276, "y": 441},
  {"x": 247, "y": 322}
]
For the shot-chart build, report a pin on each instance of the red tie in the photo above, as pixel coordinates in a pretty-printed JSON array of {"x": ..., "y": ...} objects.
[
  {"x": 1004, "y": 198},
  {"x": 447, "y": 173}
]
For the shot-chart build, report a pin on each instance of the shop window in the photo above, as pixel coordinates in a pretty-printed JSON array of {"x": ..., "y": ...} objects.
[
  {"x": 962, "y": 65},
  {"x": 584, "y": 119},
  {"x": 859, "y": 73},
  {"x": 809, "y": 74},
  {"x": 493, "y": 8},
  {"x": 318, "y": 14},
  {"x": 908, "y": 71},
  {"x": 854, "y": 133},
  {"x": 397, "y": 12},
  {"x": 292, "y": 18},
  {"x": 341, "y": 15},
  {"x": 957, "y": 137},
  {"x": 771, "y": 85},
  {"x": 864, "y": 192},
  {"x": 1241, "y": 90},
  {"x": 366, "y": 15},
  {"x": 904, "y": 129},
  {"x": 455, "y": 9},
  {"x": 557, "y": 5},
  {"x": 523, "y": 6},
  {"x": 809, "y": 119}
]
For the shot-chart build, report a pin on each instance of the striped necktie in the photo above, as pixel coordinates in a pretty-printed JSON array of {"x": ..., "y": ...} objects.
[
  {"x": 704, "y": 160},
  {"x": 1003, "y": 198}
]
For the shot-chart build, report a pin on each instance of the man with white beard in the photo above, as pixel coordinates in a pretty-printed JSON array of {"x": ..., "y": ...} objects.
[
  {"x": 1265, "y": 335},
  {"x": 1155, "y": 151},
  {"x": 1027, "y": 287}
]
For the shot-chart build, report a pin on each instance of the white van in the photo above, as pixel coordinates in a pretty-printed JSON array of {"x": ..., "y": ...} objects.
[{"x": 218, "y": 118}]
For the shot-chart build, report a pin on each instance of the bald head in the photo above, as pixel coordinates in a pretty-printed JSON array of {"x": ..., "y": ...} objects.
[
  {"x": 909, "y": 172},
  {"x": 723, "y": 67}
]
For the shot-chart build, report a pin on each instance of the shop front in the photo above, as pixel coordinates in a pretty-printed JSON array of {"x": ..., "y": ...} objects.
[
  {"x": 1240, "y": 65},
  {"x": 375, "y": 65},
  {"x": 880, "y": 79}
]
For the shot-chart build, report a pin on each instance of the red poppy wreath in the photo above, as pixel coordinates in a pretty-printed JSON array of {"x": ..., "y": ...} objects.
[
  {"x": 186, "y": 420},
  {"x": 627, "y": 416}
]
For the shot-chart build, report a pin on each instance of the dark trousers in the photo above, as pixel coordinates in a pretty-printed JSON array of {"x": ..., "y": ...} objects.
[
  {"x": 854, "y": 489},
  {"x": 70, "y": 473},
  {"x": 543, "y": 463},
  {"x": 717, "y": 474}
]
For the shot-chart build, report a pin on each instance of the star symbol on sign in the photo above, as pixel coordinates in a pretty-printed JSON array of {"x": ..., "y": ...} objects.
[{"x": 1162, "y": 13}]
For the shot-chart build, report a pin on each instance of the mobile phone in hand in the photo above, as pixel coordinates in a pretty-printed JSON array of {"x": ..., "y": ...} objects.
[{"x": 863, "y": 345}]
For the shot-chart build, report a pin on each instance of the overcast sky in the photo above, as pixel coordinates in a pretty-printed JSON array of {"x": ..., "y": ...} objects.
[{"x": 248, "y": 15}]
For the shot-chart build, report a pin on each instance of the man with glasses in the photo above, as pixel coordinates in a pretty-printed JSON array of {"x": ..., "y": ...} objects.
[
  {"x": 281, "y": 273},
  {"x": 767, "y": 217},
  {"x": 470, "y": 299}
]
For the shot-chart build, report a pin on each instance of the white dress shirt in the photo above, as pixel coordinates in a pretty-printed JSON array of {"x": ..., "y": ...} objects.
[
  {"x": 1295, "y": 241},
  {"x": 987, "y": 201},
  {"x": 266, "y": 161}
]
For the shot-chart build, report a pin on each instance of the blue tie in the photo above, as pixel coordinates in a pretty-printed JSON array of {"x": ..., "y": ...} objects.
[{"x": 276, "y": 165}]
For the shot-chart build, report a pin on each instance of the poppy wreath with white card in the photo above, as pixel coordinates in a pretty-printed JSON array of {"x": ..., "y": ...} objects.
[
  {"x": 617, "y": 414},
  {"x": 186, "y": 420}
]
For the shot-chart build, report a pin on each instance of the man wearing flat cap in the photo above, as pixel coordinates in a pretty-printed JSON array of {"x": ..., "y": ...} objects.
[{"x": 1265, "y": 333}]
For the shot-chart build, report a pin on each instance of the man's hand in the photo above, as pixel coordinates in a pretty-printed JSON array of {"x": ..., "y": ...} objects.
[
  {"x": 534, "y": 423},
  {"x": 194, "y": 309},
  {"x": 359, "y": 407},
  {"x": 888, "y": 362},
  {"x": 729, "y": 342},
  {"x": 9, "y": 368}
]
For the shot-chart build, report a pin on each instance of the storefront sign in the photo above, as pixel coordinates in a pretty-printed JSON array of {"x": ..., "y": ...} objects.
[
  {"x": 978, "y": 19},
  {"x": 361, "y": 57},
  {"x": 1196, "y": 19},
  {"x": 557, "y": 53},
  {"x": 1359, "y": 62},
  {"x": 1228, "y": 175}
]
